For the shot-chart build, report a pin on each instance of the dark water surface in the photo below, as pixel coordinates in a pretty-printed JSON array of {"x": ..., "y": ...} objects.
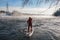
[{"x": 11, "y": 30}]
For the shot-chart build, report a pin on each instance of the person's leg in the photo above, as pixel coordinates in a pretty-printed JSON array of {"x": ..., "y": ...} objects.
[
  {"x": 28, "y": 28},
  {"x": 31, "y": 27}
]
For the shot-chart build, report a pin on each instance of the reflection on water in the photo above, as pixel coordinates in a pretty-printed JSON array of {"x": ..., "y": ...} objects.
[{"x": 11, "y": 30}]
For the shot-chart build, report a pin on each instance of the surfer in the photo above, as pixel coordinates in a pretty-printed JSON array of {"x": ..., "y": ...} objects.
[{"x": 29, "y": 21}]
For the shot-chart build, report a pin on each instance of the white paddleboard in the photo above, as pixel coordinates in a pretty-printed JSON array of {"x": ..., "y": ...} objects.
[{"x": 28, "y": 34}]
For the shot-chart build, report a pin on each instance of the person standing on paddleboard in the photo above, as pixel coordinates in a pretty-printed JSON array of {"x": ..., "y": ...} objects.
[{"x": 29, "y": 22}]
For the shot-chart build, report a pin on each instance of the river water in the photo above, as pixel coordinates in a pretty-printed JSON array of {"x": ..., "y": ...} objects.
[{"x": 44, "y": 29}]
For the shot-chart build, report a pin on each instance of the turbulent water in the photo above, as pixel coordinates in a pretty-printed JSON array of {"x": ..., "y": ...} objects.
[{"x": 44, "y": 29}]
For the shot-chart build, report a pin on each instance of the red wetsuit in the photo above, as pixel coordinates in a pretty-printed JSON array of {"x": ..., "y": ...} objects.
[{"x": 29, "y": 24}]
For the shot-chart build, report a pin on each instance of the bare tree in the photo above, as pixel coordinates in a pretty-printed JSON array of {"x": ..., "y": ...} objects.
[{"x": 25, "y": 2}]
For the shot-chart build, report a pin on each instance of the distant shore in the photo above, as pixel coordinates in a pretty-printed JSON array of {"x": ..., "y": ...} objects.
[{"x": 22, "y": 17}]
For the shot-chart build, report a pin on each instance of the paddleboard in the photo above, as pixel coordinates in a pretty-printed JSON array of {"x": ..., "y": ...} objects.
[{"x": 28, "y": 34}]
